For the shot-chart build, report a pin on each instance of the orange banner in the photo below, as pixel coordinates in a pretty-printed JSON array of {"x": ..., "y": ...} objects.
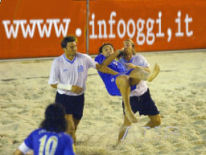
[
  {"x": 36, "y": 28},
  {"x": 152, "y": 25}
]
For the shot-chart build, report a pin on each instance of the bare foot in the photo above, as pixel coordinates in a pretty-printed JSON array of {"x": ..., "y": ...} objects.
[
  {"x": 122, "y": 133},
  {"x": 154, "y": 73},
  {"x": 130, "y": 116}
]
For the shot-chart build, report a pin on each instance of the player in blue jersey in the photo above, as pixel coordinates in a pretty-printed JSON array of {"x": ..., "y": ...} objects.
[
  {"x": 122, "y": 81},
  {"x": 50, "y": 138}
]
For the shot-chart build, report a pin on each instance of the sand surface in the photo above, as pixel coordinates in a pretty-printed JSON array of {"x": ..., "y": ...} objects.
[{"x": 179, "y": 92}]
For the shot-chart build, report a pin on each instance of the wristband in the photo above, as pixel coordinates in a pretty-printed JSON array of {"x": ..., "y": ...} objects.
[{"x": 64, "y": 86}]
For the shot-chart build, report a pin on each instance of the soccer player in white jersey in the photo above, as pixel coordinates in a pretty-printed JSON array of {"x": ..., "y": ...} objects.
[
  {"x": 50, "y": 138},
  {"x": 68, "y": 75},
  {"x": 140, "y": 99}
]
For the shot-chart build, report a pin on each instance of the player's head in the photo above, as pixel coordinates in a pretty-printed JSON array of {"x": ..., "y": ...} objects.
[
  {"x": 106, "y": 49},
  {"x": 129, "y": 49},
  {"x": 128, "y": 43},
  {"x": 54, "y": 118},
  {"x": 69, "y": 45}
]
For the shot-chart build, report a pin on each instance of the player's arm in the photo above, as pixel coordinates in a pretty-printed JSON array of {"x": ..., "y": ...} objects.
[
  {"x": 130, "y": 65},
  {"x": 18, "y": 152},
  {"x": 53, "y": 85},
  {"x": 68, "y": 87},
  {"x": 99, "y": 67},
  {"x": 62, "y": 86},
  {"x": 23, "y": 149},
  {"x": 144, "y": 68},
  {"x": 109, "y": 59},
  {"x": 105, "y": 69}
]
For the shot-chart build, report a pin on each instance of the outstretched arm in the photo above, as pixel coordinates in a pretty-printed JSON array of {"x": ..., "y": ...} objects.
[
  {"x": 130, "y": 65},
  {"x": 103, "y": 66},
  {"x": 105, "y": 69},
  {"x": 109, "y": 59}
]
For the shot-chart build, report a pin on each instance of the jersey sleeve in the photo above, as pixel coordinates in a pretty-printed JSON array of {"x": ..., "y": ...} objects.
[
  {"x": 29, "y": 141},
  {"x": 69, "y": 147},
  {"x": 24, "y": 148},
  {"x": 100, "y": 58},
  {"x": 54, "y": 74},
  {"x": 90, "y": 61},
  {"x": 141, "y": 61}
]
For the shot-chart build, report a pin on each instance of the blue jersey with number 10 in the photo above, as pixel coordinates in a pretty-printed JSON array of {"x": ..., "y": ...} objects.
[{"x": 43, "y": 142}]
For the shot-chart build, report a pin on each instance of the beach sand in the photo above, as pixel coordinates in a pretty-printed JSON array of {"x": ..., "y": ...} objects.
[{"x": 179, "y": 93}]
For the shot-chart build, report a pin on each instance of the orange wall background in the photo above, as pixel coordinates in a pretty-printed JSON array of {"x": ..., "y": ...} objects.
[
  {"x": 38, "y": 46},
  {"x": 140, "y": 18},
  {"x": 133, "y": 10}
]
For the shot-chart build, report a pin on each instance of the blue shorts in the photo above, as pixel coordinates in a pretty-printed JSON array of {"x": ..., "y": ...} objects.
[
  {"x": 143, "y": 104},
  {"x": 73, "y": 104},
  {"x": 111, "y": 85}
]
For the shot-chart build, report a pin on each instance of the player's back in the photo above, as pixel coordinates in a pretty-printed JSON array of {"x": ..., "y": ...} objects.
[{"x": 43, "y": 142}]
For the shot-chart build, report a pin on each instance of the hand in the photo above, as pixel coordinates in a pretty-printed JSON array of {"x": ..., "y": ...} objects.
[
  {"x": 130, "y": 65},
  {"x": 76, "y": 89}
]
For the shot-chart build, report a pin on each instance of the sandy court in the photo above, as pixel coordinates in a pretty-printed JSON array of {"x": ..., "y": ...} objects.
[{"x": 179, "y": 92}]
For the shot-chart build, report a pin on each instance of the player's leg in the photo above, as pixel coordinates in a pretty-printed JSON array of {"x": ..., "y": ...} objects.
[
  {"x": 139, "y": 74},
  {"x": 123, "y": 85},
  {"x": 154, "y": 73},
  {"x": 147, "y": 107},
  {"x": 78, "y": 108},
  {"x": 70, "y": 126},
  {"x": 66, "y": 101},
  {"x": 76, "y": 123},
  {"x": 154, "y": 121},
  {"x": 123, "y": 130}
]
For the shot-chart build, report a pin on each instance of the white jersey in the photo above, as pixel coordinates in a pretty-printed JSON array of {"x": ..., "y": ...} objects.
[
  {"x": 138, "y": 60},
  {"x": 73, "y": 72}
]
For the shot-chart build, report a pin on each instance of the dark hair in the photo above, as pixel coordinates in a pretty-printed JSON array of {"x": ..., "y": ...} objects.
[
  {"x": 68, "y": 39},
  {"x": 54, "y": 118},
  {"x": 105, "y": 44}
]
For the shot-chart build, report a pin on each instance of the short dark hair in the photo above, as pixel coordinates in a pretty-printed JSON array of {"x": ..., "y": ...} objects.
[
  {"x": 68, "y": 39},
  {"x": 54, "y": 118},
  {"x": 105, "y": 44}
]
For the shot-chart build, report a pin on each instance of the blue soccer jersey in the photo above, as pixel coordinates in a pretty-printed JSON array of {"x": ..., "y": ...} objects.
[
  {"x": 115, "y": 65},
  {"x": 109, "y": 79},
  {"x": 43, "y": 142}
]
